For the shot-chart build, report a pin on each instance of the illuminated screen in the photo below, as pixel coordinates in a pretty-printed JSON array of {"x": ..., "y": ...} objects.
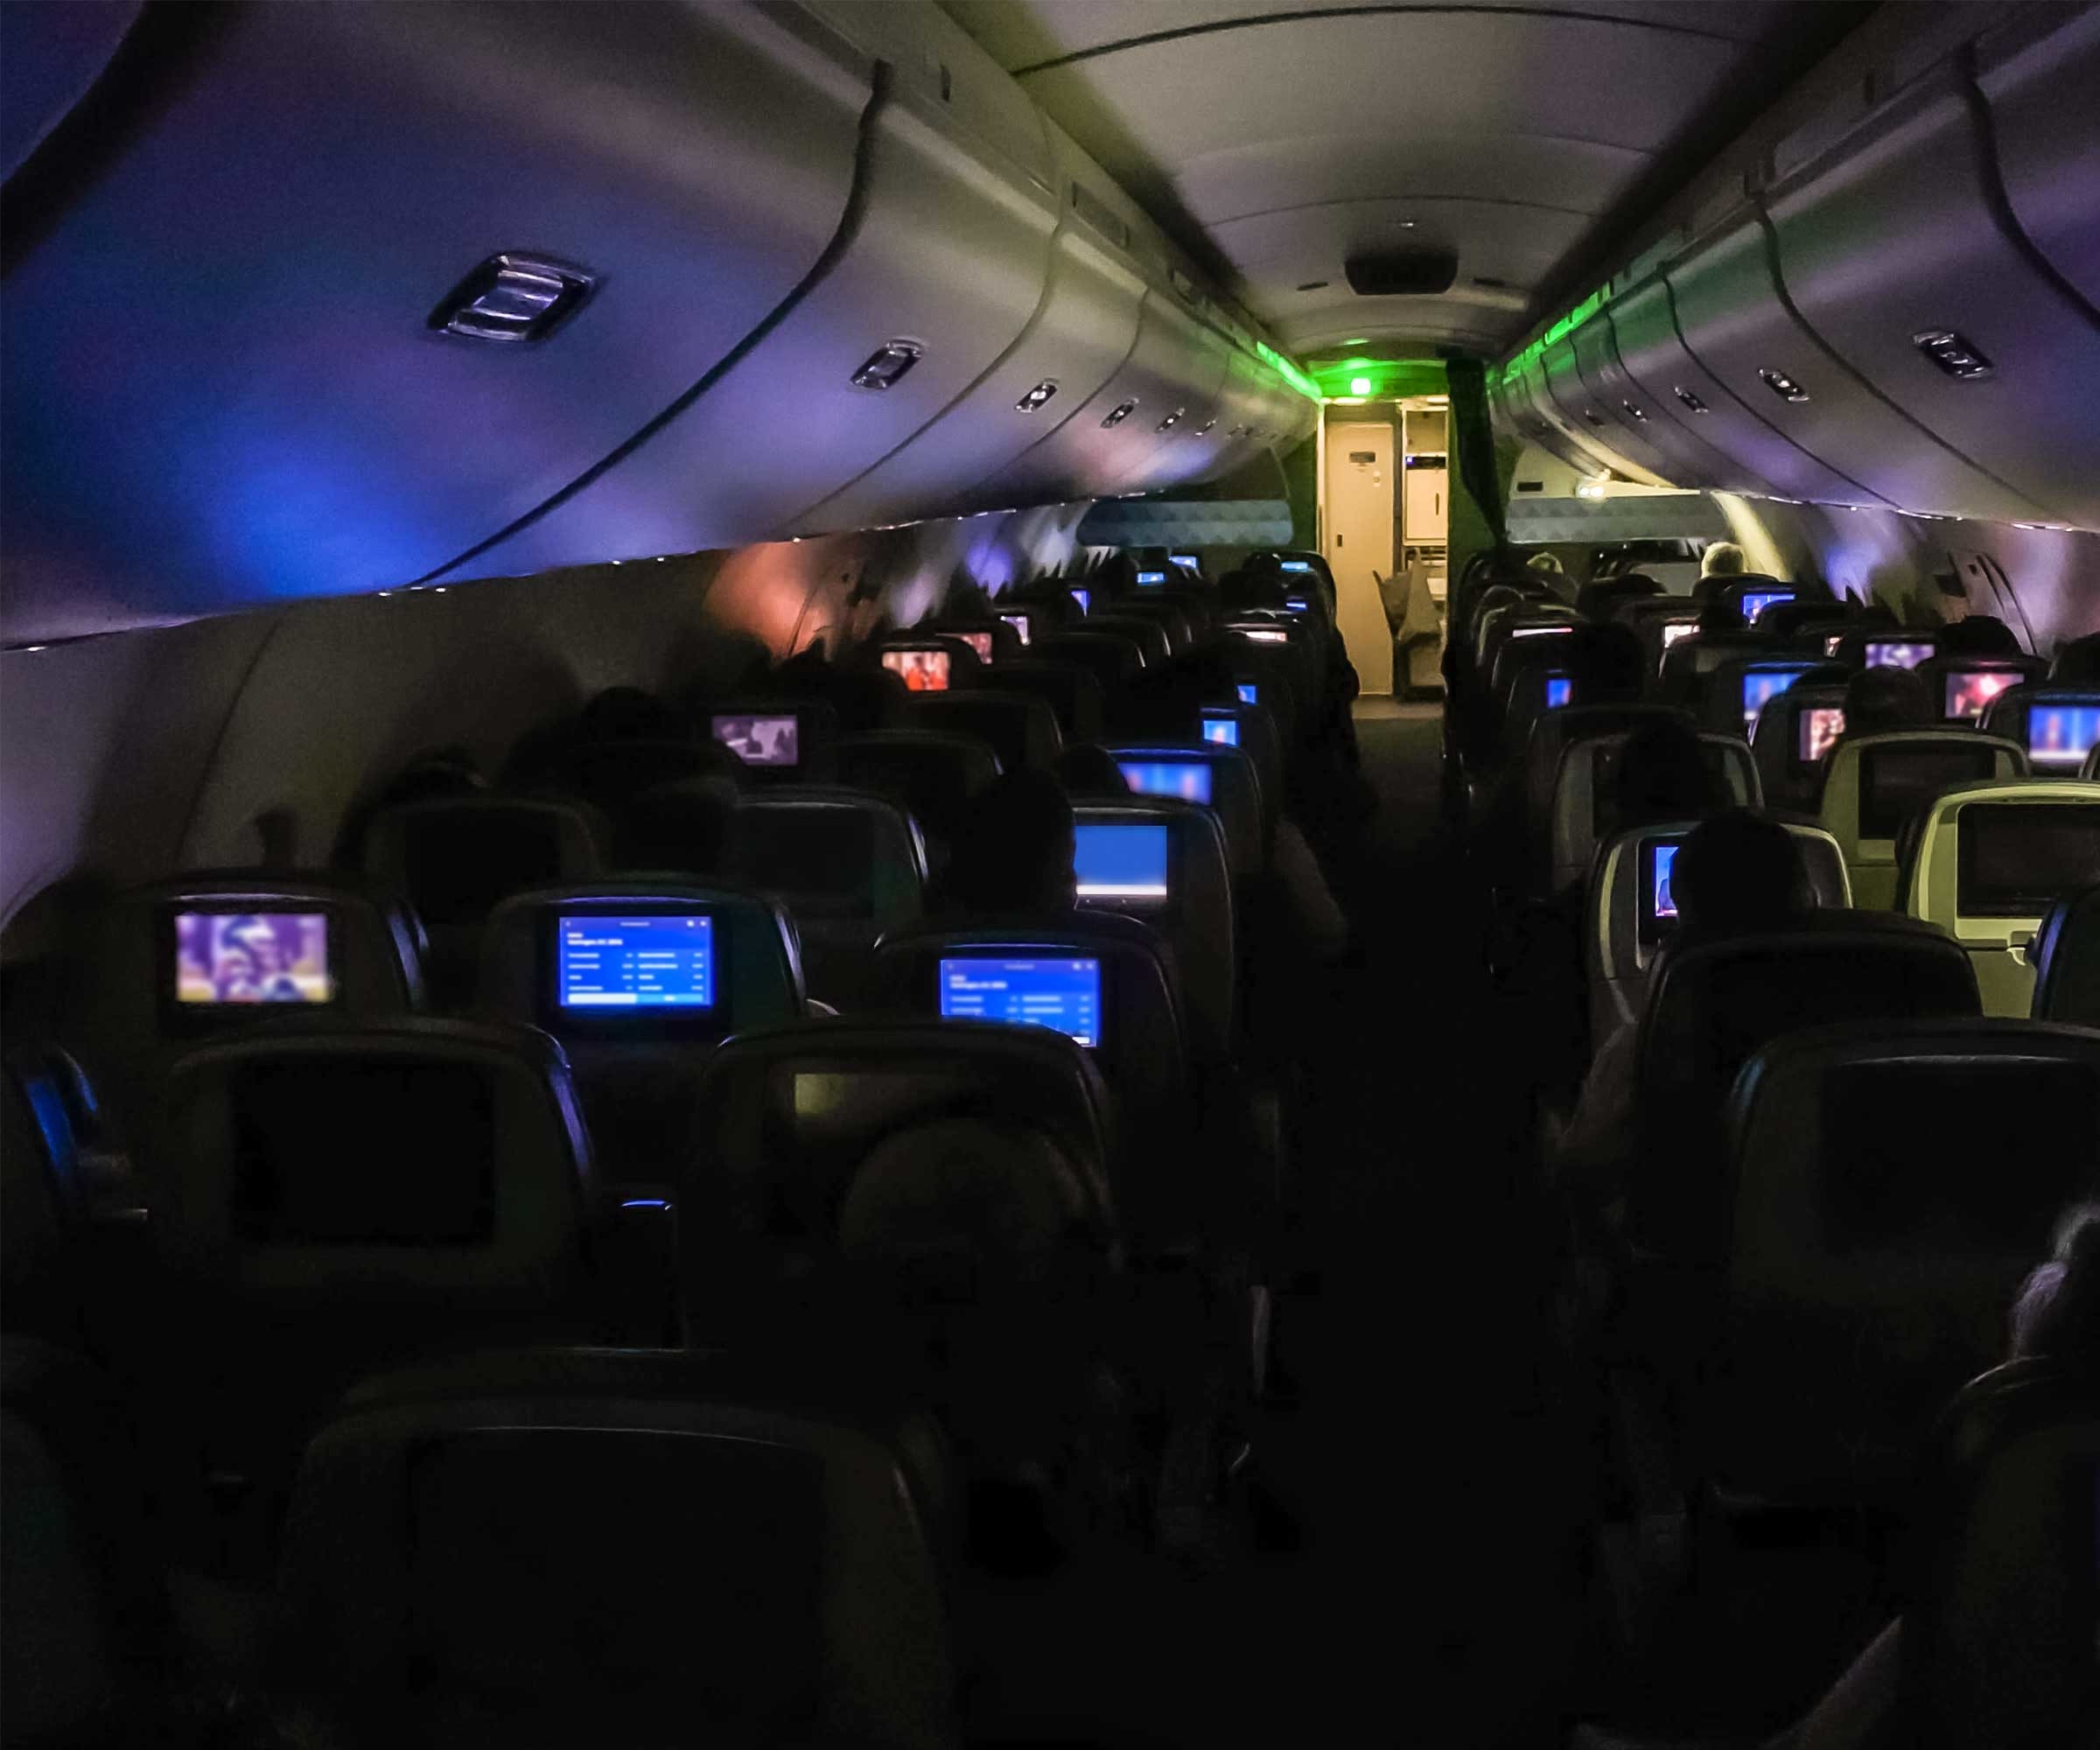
[
  {"x": 1295, "y": 565},
  {"x": 1249, "y": 694},
  {"x": 639, "y": 963},
  {"x": 1661, "y": 903},
  {"x": 2017, "y": 859},
  {"x": 1120, "y": 861},
  {"x": 978, "y": 641},
  {"x": 762, "y": 740},
  {"x": 1821, "y": 725},
  {"x": 1063, "y": 994},
  {"x": 1760, "y": 686},
  {"x": 924, "y": 671},
  {"x": 1756, "y": 601},
  {"x": 1188, "y": 561},
  {"x": 1895, "y": 782},
  {"x": 1675, "y": 629},
  {"x": 252, "y": 957},
  {"x": 1085, "y": 599},
  {"x": 1264, "y": 634},
  {"x": 1149, "y": 580},
  {"x": 1190, "y": 781},
  {"x": 1222, "y": 729},
  {"x": 2061, "y": 734},
  {"x": 1559, "y": 690},
  {"x": 1539, "y": 631},
  {"x": 1969, "y": 690},
  {"x": 1298, "y": 604},
  {"x": 1831, "y": 643},
  {"x": 1019, "y": 623},
  {"x": 1897, "y": 653}
]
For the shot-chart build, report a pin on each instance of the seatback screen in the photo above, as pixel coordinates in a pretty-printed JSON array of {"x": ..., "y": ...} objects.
[
  {"x": 978, "y": 641},
  {"x": 1264, "y": 634},
  {"x": 2061, "y": 733},
  {"x": 1754, "y": 602},
  {"x": 1150, "y": 580},
  {"x": 605, "y": 961},
  {"x": 1969, "y": 690},
  {"x": 1295, "y": 565},
  {"x": 252, "y": 957},
  {"x": 1061, "y": 994},
  {"x": 924, "y": 671},
  {"x": 1250, "y": 693},
  {"x": 1821, "y": 725},
  {"x": 1085, "y": 599},
  {"x": 1019, "y": 623},
  {"x": 1897, "y": 653},
  {"x": 1895, "y": 782},
  {"x": 1225, "y": 730},
  {"x": 1761, "y": 685},
  {"x": 1188, "y": 561},
  {"x": 1188, "y": 780},
  {"x": 1559, "y": 690},
  {"x": 762, "y": 740},
  {"x": 1121, "y": 862},
  {"x": 2016, "y": 858},
  {"x": 1658, "y": 901}
]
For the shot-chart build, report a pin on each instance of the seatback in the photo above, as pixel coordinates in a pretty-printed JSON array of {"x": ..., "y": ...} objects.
[
  {"x": 619, "y": 1547},
  {"x": 1074, "y": 694},
  {"x": 1155, "y": 647},
  {"x": 847, "y": 868},
  {"x": 1715, "y": 1004},
  {"x": 1519, "y": 640},
  {"x": 932, "y": 777},
  {"x": 146, "y": 981},
  {"x": 1552, "y": 734},
  {"x": 1795, "y": 731},
  {"x": 1020, "y": 729},
  {"x": 640, "y": 981},
  {"x": 1894, "y": 1184},
  {"x": 1690, "y": 664},
  {"x": 1163, "y": 862},
  {"x": 1963, "y": 687},
  {"x": 1586, "y": 810},
  {"x": 1738, "y": 691},
  {"x": 1253, "y": 731},
  {"x": 1164, "y": 613},
  {"x": 454, "y": 858},
  {"x": 2065, "y": 958},
  {"x": 1113, "y": 660},
  {"x": 2059, "y": 726},
  {"x": 1875, "y": 783},
  {"x": 1992, "y": 859},
  {"x": 43, "y": 1207},
  {"x": 1629, "y": 913},
  {"x": 779, "y": 741},
  {"x": 1270, "y": 672},
  {"x": 1219, "y": 778}
]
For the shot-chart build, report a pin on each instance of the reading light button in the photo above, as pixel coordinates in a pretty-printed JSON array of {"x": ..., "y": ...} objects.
[{"x": 512, "y": 298}]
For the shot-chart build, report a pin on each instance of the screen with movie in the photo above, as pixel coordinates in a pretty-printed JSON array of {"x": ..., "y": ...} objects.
[
  {"x": 1295, "y": 565},
  {"x": 1062, "y": 994},
  {"x": 1559, "y": 691},
  {"x": 252, "y": 957},
  {"x": 1250, "y": 693},
  {"x": 1187, "y": 780},
  {"x": 1150, "y": 580},
  {"x": 1760, "y": 686},
  {"x": 2061, "y": 732},
  {"x": 1895, "y": 782},
  {"x": 1264, "y": 634},
  {"x": 1225, "y": 730},
  {"x": 1019, "y": 623},
  {"x": 1660, "y": 902},
  {"x": 1969, "y": 690},
  {"x": 2017, "y": 857},
  {"x": 1897, "y": 653},
  {"x": 1118, "y": 860},
  {"x": 762, "y": 740},
  {"x": 1675, "y": 629},
  {"x": 978, "y": 641},
  {"x": 924, "y": 671},
  {"x": 607, "y": 960},
  {"x": 1188, "y": 561},
  {"x": 1756, "y": 602},
  {"x": 1821, "y": 725},
  {"x": 1085, "y": 599}
]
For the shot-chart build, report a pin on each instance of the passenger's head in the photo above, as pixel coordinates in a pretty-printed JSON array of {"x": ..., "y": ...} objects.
[
  {"x": 629, "y": 714},
  {"x": 1665, "y": 775},
  {"x": 1979, "y": 634},
  {"x": 1723, "y": 559},
  {"x": 1013, "y": 855},
  {"x": 2077, "y": 662},
  {"x": 1736, "y": 873},
  {"x": 442, "y": 772},
  {"x": 1546, "y": 562},
  {"x": 1611, "y": 663},
  {"x": 1089, "y": 771},
  {"x": 682, "y": 826},
  {"x": 2058, "y": 1312},
  {"x": 1879, "y": 701}
]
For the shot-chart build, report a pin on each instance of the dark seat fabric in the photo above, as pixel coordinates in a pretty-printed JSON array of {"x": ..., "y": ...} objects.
[
  {"x": 627, "y": 1547},
  {"x": 1074, "y": 694},
  {"x": 1114, "y": 661},
  {"x": 1894, "y": 1184},
  {"x": 934, "y": 777},
  {"x": 42, "y": 1208},
  {"x": 1552, "y": 734},
  {"x": 1021, "y": 729},
  {"x": 1713, "y": 1005},
  {"x": 2066, "y": 956}
]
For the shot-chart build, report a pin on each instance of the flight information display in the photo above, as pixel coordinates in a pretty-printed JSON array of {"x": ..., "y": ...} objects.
[
  {"x": 1120, "y": 861},
  {"x": 612, "y": 962},
  {"x": 1061, "y": 994},
  {"x": 1223, "y": 729},
  {"x": 2061, "y": 732},
  {"x": 1897, "y": 653},
  {"x": 1756, "y": 601},
  {"x": 762, "y": 740},
  {"x": 1188, "y": 780},
  {"x": 1969, "y": 690},
  {"x": 1760, "y": 686}
]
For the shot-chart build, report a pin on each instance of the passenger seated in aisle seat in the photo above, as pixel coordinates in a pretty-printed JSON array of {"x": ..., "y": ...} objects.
[
  {"x": 1736, "y": 874},
  {"x": 1089, "y": 772},
  {"x": 1980, "y": 634},
  {"x": 1722, "y": 561},
  {"x": 2077, "y": 662},
  {"x": 1014, "y": 859},
  {"x": 1881, "y": 700}
]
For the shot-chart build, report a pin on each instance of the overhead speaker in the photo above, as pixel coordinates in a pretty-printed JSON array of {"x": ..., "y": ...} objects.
[{"x": 1403, "y": 273}]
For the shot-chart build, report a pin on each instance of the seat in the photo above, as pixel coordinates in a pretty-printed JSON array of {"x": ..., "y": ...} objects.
[
  {"x": 640, "y": 981},
  {"x": 1875, "y": 783},
  {"x": 932, "y": 777},
  {"x": 1552, "y": 733},
  {"x": 619, "y": 1547},
  {"x": 1992, "y": 859},
  {"x": 849, "y": 868},
  {"x": 1883, "y": 646},
  {"x": 454, "y": 858},
  {"x": 1601, "y": 598},
  {"x": 1112, "y": 660},
  {"x": 1659, "y": 625},
  {"x": 1074, "y": 694},
  {"x": 1250, "y": 729},
  {"x": 1628, "y": 914},
  {"x": 1794, "y": 732},
  {"x": 779, "y": 741},
  {"x": 1021, "y": 729},
  {"x": 2059, "y": 726},
  {"x": 1586, "y": 811},
  {"x": 174, "y": 962},
  {"x": 1893, "y": 1185},
  {"x": 1738, "y": 691},
  {"x": 2065, "y": 955},
  {"x": 1165, "y": 612},
  {"x": 1688, "y": 665},
  {"x": 1214, "y": 776},
  {"x": 1963, "y": 687},
  {"x": 1155, "y": 646}
]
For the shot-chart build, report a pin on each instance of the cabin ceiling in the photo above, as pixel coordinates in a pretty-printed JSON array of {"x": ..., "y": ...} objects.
[{"x": 1526, "y": 137}]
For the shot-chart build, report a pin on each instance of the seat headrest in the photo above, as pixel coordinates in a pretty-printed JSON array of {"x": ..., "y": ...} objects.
[
  {"x": 1020, "y": 728},
  {"x": 454, "y": 858},
  {"x": 828, "y": 852}
]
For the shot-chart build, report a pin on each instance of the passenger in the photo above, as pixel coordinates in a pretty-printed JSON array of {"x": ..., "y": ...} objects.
[
  {"x": 1090, "y": 774},
  {"x": 1979, "y": 634},
  {"x": 1013, "y": 857},
  {"x": 1723, "y": 559},
  {"x": 1665, "y": 775},
  {"x": 2077, "y": 662},
  {"x": 1881, "y": 700},
  {"x": 1612, "y": 665},
  {"x": 1546, "y": 564},
  {"x": 629, "y": 714}
]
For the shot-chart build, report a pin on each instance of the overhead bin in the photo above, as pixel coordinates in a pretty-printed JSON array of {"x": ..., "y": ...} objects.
[
  {"x": 1735, "y": 319},
  {"x": 1554, "y": 434},
  {"x": 1759, "y": 459},
  {"x": 1630, "y": 436},
  {"x": 254, "y": 406},
  {"x": 2038, "y": 74},
  {"x": 1893, "y": 256},
  {"x": 1591, "y": 415}
]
